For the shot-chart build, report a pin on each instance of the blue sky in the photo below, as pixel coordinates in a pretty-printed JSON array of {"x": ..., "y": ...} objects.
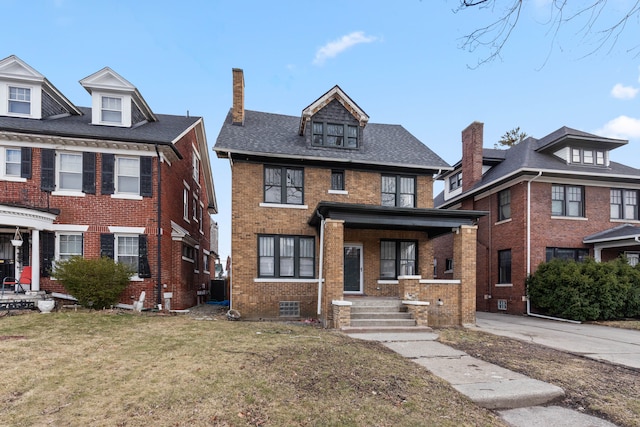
[{"x": 401, "y": 62}]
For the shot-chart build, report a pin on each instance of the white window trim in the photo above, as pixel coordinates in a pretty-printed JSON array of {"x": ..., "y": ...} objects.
[
  {"x": 194, "y": 208},
  {"x": 337, "y": 192},
  {"x": 283, "y": 206},
  {"x": 3, "y": 166},
  {"x": 126, "y": 232},
  {"x": 185, "y": 204},
  {"x": 195, "y": 172},
  {"x": 117, "y": 192},
  {"x": 126, "y": 196},
  {"x": 96, "y": 109},
  {"x": 57, "y": 242},
  {"x": 61, "y": 191},
  {"x": 36, "y": 100},
  {"x": 281, "y": 280}
]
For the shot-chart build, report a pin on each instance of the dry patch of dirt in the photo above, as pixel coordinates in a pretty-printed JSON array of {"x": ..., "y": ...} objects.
[{"x": 597, "y": 388}]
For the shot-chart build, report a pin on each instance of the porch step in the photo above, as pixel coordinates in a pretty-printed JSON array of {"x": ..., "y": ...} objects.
[
  {"x": 369, "y": 314},
  {"x": 383, "y": 329}
]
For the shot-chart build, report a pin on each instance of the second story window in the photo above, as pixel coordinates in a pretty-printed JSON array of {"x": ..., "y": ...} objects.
[
  {"x": 111, "y": 111},
  {"x": 455, "y": 181},
  {"x": 399, "y": 191},
  {"x": 335, "y": 135},
  {"x": 567, "y": 200},
  {"x": 19, "y": 100},
  {"x": 70, "y": 172},
  {"x": 13, "y": 160},
  {"x": 623, "y": 204},
  {"x": 283, "y": 185},
  {"x": 337, "y": 180},
  {"x": 504, "y": 205},
  {"x": 128, "y": 175}
]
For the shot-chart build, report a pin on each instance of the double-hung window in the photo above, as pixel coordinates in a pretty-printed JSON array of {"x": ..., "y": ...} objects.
[
  {"x": 13, "y": 159},
  {"x": 504, "y": 266},
  {"x": 69, "y": 245},
  {"x": 111, "y": 111},
  {"x": 624, "y": 204},
  {"x": 335, "y": 135},
  {"x": 504, "y": 205},
  {"x": 455, "y": 181},
  {"x": 127, "y": 251},
  {"x": 19, "y": 100},
  {"x": 196, "y": 167},
  {"x": 286, "y": 256},
  {"x": 70, "y": 172},
  {"x": 399, "y": 191},
  {"x": 128, "y": 175},
  {"x": 185, "y": 204},
  {"x": 283, "y": 185},
  {"x": 398, "y": 258},
  {"x": 567, "y": 200},
  {"x": 337, "y": 180}
]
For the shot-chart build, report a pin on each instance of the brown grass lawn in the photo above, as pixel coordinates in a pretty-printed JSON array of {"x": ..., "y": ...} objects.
[
  {"x": 598, "y": 388},
  {"x": 120, "y": 369}
]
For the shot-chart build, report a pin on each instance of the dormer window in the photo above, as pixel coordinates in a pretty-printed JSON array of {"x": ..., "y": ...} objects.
[
  {"x": 19, "y": 100},
  {"x": 455, "y": 181},
  {"x": 335, "y": 135},
  {"x": 587, "y": 156},
  {"x": 111, "y": 111}
]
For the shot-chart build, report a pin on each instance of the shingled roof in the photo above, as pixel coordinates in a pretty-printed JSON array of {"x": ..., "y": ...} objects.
[{"x": 277, "y": 136}]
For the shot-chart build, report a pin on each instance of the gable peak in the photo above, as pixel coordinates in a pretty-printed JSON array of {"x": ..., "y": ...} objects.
[
  {"x": 335, "y": 93},
  {"x": 15, "y": 68}
]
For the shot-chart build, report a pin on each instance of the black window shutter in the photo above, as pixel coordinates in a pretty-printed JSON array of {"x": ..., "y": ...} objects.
[
  {"x": 108, "y": 163},
  {"x": 25, "y": 170},
  {"x": 24, "y": 250},
  {"x": 146, "y": 177},
  {"x": 47, "y": 240},
  {"x": 107, "y": 245},
  {"x": 143, "y": 257},
  {"x": 48, "y": 172},
  {"x": 89, "y": 173}
]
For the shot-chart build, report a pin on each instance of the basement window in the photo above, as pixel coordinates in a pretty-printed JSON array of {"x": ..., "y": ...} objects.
[
  {"x": 289, "y": 308},
  {"x": 502, "y": 304}
]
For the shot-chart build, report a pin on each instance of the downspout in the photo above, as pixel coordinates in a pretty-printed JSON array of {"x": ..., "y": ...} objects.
[
  {"x": 159, "y": 234},
  {"x": 321, "y": 262},
  {"x": 529, "y": 313},
  {"x": 229, "y": 275}
]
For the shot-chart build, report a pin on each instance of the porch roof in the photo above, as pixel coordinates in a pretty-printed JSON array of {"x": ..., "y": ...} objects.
[
  {"x": 433, "y": 221},
  {"x": 621, "y": 232}
]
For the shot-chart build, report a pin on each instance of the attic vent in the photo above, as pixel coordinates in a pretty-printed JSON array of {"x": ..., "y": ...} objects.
[
  {"x": 289, "y": 308},
  {"x": 502, "y": 304}
]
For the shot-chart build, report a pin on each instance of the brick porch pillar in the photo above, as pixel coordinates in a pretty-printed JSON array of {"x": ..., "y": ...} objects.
[
  {"x": 333, "y": 287},
  {"x": 464, "y": 268}
]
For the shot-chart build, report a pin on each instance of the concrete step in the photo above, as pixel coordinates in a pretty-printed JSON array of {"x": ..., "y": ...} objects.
[
  {"x": 382, "y": 322},
  {"x": 385, "y": 329},
  {"x": 377, "y": 309},
  {"x": 380, "y": 315},
  {"x": 370, "y": 301}
]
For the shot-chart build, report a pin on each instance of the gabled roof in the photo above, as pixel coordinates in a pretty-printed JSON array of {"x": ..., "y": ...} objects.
[
  {"x": 532, "y": 156},
  {"x": 277, "y": 136},
  {"x": 109, "y": 81},
  {"x": 339, "y": 95},
  {"x": 621, "y": 232},
  {"x": 15, "y": 69}
]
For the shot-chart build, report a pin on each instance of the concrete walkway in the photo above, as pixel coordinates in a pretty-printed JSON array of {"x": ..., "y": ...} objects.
[
  {"x": 515, "y": 395},
  {"x": 620, "y": 346}
]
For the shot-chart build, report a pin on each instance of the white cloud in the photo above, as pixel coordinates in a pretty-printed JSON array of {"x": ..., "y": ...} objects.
[
  {"x": 624, "y": 92},
  {"x": 332, "y": 49},
  {"x": 621, "y": 127}
]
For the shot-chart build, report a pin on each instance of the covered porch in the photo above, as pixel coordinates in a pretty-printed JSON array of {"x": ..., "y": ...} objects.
[
  {"x": 377, "y": 251},
  {"x": 622, "y": 240}
]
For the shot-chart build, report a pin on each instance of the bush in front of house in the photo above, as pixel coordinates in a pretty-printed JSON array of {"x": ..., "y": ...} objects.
[
  {"x": 586, "y": 290},
  {"x": 95, "y": 283}
]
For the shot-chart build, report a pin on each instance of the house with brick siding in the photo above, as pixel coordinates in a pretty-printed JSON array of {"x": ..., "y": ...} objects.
[
  {"x": 328, "y": 207},
  {"x": 114, "y": 179},
  {"x": 560, "y": 196}
]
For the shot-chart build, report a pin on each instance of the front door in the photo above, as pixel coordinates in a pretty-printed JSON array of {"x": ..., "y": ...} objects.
[{"x": 352, "y": 269}]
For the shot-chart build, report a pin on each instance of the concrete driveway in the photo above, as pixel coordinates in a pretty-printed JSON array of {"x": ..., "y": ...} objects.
[{"x": 620, "y": 346}]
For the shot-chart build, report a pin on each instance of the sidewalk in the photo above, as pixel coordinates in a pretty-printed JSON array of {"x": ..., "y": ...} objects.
[{"x": 515, "y": 396}]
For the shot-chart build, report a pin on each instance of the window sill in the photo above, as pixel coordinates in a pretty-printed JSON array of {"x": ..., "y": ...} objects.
[
  {"x": 630, "y": 221},
  {"x": 504, "y": 285},
  {"x": 126, "y": 196},
  {"x": 184, "y": 258},
  {"x": 283, "y": 280},
  {"x": 387, "y": 282},
  {"x": 504, "y": 221},
  {"x": 68, "y": 193},
  {"x": 282, "y": 205},
  {"x": 572, "y": 218},
  {"x": 13, "y": 179},
  {"x": 338, "y": 192},
  {"x": 448, "y": 272}
]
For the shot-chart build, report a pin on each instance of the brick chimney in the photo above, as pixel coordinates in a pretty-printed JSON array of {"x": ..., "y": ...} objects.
[
  {"x": 472, "y": 138},
  {"x": 237, "y": 112}
]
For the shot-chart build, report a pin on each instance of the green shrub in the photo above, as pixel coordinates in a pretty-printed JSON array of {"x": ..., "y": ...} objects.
[
  {"x": 96, "y": 283},
  {"x": 587, "y": 290}
]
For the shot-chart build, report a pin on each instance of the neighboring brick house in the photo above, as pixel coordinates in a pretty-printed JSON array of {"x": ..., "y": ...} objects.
[
  {"x": 556, "y": 197},
  {"x": 116, "y": 180},
  {"x": 327, "y": 204}
]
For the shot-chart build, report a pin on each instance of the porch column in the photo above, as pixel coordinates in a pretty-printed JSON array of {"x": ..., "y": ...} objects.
[
  {"x": 333, "y": 267},
  {"x": 464, "y": 269},
  {"x": 597, "y": 253},
  {"x": 35, "y": 260}
]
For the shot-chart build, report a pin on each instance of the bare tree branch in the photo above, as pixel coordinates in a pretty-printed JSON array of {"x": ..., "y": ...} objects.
[{"x": 495, "y": 35}]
